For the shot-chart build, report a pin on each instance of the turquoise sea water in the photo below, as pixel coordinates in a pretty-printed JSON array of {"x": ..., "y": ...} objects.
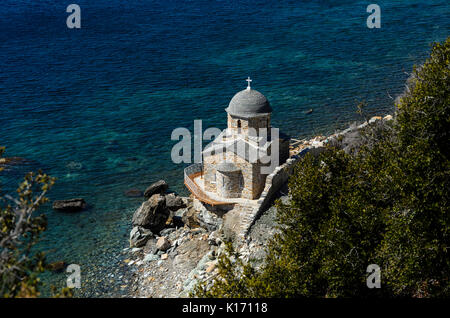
[{"x": 95, "y": 107}]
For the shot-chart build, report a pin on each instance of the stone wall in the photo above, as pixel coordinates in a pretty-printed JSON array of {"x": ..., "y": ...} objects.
[
  {"x": 259, "y": 123},
  {"x": 253, "y": 181},
  {"x": 245, "y": 167},
  {"x": 235, "y": 122},
  {"x": 259, "y": 180},
  {"x": 229, "y": 184},
  {"x": 274, "y": 182},
  {"x": 255, "y": 123}
]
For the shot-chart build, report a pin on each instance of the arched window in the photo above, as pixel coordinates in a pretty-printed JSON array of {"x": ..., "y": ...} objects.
[{"x": 239, "y": 126}]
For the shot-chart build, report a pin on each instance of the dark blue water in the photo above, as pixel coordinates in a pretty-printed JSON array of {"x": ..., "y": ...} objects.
[{"x": 95, "y": 107}]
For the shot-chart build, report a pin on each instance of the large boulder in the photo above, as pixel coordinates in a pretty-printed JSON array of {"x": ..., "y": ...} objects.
[
  {"x": 139, "y": 236},
  {"x": 152, "y": 214},
  {"x": 160, "y": 187},
  {"x": 163, "y": 244},
  {"x": 174, "y": 202},
  {"x": 209, "y": 220},
  {"x": 71, "y": 205},
  {"x": 150, "y": 246}
]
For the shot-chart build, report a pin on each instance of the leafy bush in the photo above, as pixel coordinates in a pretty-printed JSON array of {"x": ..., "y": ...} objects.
[
  {"x": 415, "y": 250},
  {"x": 19, "y": 232}
]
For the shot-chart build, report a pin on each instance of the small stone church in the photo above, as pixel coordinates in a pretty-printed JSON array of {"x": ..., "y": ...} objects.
[{"x": 235, "y": 165}]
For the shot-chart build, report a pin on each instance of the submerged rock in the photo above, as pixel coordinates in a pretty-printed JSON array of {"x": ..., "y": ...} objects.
[
  {"x": 160, "y": 187},
  {"x": 57, "y": 266},
  {"x": 133, "y": 193},
  {"x": 152, "y": 214},
  {"x": 71, "y": 205},
  {"x": 73, "y": 165}
]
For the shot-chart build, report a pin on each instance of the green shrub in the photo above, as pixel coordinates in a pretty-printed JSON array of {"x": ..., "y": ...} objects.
[{"x": 20, "y": 230}]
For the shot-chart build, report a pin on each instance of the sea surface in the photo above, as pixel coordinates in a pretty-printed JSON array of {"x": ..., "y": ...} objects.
[{"x": 95, "y": 107}]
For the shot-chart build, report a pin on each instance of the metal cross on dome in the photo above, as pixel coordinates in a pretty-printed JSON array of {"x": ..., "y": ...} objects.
[{"x": 249, "y": 80}]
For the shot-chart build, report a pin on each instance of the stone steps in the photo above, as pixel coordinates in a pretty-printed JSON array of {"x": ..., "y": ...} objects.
[{"x": 247, "y": 215}]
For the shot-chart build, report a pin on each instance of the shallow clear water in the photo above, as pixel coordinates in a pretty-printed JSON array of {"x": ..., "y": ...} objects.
[{"x": 95, "y": 107}]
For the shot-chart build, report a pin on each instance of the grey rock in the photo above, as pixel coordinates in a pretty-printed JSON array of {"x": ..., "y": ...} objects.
[
  {"x": 167, "y": 231},
  {"x": 174, "y": 202},
  {"x": 201, "y": 266},
  {"x": 150, "y": 258},
  {"x": 71, "y": 205},
  {"x": 187, "y": 201},
  {"x": 213, "y": 239},
  {"x": 160, "y": 187},
  {"x": 173, "y": 254},
  {"x": 180, "y": 212},
  {"x": 173, "y": 247},
  {"x": 152, "y": 214},
  {"x": 198, "y": 230},
  {"x": 139, "y": 236},
  {"x": 209, "y": 220},
  {"x": 150, "y": 246}
]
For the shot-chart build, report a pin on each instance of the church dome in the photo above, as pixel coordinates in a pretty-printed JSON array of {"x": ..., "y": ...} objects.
[{"x": 249, "y": 103}]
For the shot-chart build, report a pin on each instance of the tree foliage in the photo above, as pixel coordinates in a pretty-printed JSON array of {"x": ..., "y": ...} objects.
[
  {"x": 20, "y": 230},
  {"x": 385, "y": 203},
  {"x": 417, "y": 241}
]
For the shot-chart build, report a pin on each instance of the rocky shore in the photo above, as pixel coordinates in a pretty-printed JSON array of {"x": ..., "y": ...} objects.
[
  {"x": 170, "y": 264},
  {"x": 173, "y": 245}
]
